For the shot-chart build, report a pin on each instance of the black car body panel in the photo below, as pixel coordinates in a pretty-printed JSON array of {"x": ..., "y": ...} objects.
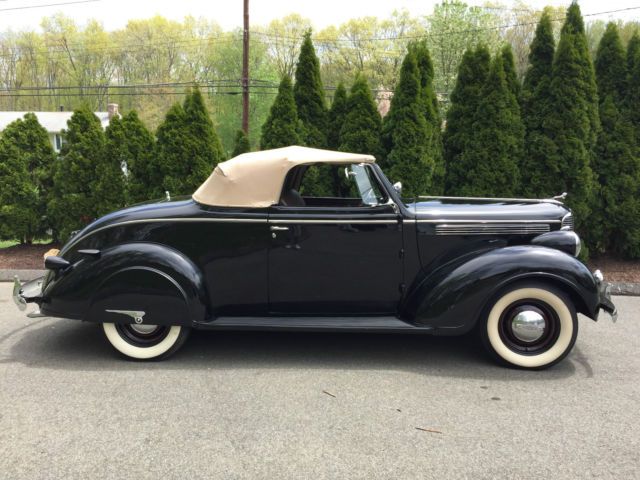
[{"x": 428, "y": 266}]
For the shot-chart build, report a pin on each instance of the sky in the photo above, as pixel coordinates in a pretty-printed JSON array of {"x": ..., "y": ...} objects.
[{"x": 115, "y": 14}]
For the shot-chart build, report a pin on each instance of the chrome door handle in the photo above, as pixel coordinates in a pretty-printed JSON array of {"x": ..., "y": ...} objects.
[{"x": 278, "y": 229}]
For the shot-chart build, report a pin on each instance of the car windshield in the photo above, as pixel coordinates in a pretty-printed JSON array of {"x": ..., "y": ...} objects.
[{"x": 367, "y": 185}]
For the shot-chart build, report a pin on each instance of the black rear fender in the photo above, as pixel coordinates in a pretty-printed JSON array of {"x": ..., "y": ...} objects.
[{"x": 128, "y": 279}]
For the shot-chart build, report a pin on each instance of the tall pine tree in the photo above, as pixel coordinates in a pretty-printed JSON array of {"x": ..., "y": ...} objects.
[
  {"x": 492, "y": 157},
  {"x": 309, "y": 96},
  {"x": 617, "y": 164},
  {"x": 109, "y": 181},
  {"x": 573, "y": 123},
  {"x": 405, "y": 129},
  {"x": 72, "y": 204},
  {"x": 633, "y": 87},
  {"x": 336, "y": 117},
  {"x": 282, "y": 127},
  {"x": 26, "y": 161},
  {"x": 362, "y": 124},
  {"x": 539, "y": 167},
  {"x": 465, "y": 98}
]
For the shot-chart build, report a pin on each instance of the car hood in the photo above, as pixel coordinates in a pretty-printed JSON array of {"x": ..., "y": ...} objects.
[{"x": 490, "y": 209}]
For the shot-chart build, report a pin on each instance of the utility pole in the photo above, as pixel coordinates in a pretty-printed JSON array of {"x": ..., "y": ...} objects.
[{"x": 245, "y": 70}]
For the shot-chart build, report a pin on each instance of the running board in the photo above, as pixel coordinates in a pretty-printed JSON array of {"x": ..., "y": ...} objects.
[{"x": 345, "y": 324}]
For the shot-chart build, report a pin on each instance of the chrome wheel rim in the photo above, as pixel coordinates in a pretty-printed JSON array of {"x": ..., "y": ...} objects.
[
  {"x": 529, "y": 327},
  {"x": 142, "y": 335}
]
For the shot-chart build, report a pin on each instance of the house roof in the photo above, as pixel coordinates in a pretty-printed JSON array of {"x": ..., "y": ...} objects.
[
  {"x": 256, "y": 179},
  {"x": 52, "y": 122}
]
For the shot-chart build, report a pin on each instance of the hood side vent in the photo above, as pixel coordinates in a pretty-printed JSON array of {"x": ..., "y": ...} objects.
[{"x": 493, "y": 229}]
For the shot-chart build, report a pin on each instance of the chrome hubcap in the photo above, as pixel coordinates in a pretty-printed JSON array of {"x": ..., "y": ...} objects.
[
  {"x": 143, "y": 329},
  {"x": 528, "y": 325}
]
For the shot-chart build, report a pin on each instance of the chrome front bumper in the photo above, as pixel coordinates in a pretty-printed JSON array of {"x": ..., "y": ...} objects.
[
  {"x": 604, "y": 292},
  {"x": 30, "y": 292}
]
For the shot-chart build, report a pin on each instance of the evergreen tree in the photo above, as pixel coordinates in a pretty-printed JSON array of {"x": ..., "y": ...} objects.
[
  {"x": 362, "y": 124},
  {"x": 309, "y": 96},
  {"x": 109, "y": 181},
  {"x": 617, "y": 164},
  {"x": 172, "y": 152},
  {"x": 203, "y": 142},
  {"x": 539, "y": 166},
  {"x": 573, "y": 123},
  {"x": 282, "y": 126},
  {"x": 466, "y": 95},
  {"x": 72, "y": 203},
  {"x": 405, "y": 129},
  {"x": 144, "y": 181},
  {"x": 241, "y": 144},
  {"x": 510, "y": 73},
  {"x": 26, "y": 160},
  {"x": 633, "y": 85},
  {"x": 611, "y": 66},
  {"x": 336, "y": 117},
  {"x": 492, "y": 157},
  {"x": 433, "y": 138}
]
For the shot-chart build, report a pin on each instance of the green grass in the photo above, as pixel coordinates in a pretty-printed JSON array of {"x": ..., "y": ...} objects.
[{"x": 11, "y": 243}]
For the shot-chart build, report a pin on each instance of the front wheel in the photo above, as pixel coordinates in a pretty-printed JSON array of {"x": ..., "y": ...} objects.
[
  {"x": 530, "y": 326},
  {"x": 145, "y": 342}
]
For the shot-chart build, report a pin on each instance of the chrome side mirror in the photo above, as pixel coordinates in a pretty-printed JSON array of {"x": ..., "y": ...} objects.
[{"x": 398, "y": 187}]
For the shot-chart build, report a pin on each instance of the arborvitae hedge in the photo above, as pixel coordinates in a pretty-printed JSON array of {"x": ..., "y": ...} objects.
[
  {"x": 617, "y": 164},
  {"x": 573, "y": 122},
  {"x": 109, "y": 186},
  {"x": 492, "y": 155},
  {"x": 172, "y": 152},
  {"x": 242, "y": 144},
  {"x": 26, "y": 162},
  {"x": 361, "y": 130},
  {"x": 539, "y": 168},
  {"x": 429, "y": 100},
  {"x": 337, "y": 114},
  {"x": 309, "y": 96},
  {"x": 203, "y": 142},
  {"x": 145, "y": 178},
  {"x": 510, "y": 74},
  {"x": 633, "y": 88},
  {"x": 466, "y": 95},
  {"x": 282, "y": 126},
  {"x": 405, "y": 129},
  {"x": 72, "y": 205}
]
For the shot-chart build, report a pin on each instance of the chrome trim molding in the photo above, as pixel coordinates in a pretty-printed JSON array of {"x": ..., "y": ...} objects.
[
  {"x": 331, "y": 221},
  {"x": 488, "y": 222},
  {"x": 495, "y": 229},
  {"x": 494, "y": 199},
  {"x": 135, "y": 314}
]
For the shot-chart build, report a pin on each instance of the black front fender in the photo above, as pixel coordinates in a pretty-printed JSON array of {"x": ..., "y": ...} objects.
[
  {"x": 139, "y": 276},
  {"x": 453, "y": 297}
]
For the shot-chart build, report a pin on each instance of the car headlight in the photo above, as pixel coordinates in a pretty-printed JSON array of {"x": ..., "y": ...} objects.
[{"x": 564, "y": 240}]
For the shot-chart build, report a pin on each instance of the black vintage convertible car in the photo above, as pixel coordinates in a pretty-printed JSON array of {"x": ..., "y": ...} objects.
[{"x": 254, "y": 249}]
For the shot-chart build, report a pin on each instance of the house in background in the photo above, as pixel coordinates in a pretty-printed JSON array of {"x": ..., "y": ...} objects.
[{"x": 55, "y": 122}]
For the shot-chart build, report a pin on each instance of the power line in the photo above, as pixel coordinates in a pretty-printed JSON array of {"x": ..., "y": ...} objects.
[{"x": 28, "y": 7}]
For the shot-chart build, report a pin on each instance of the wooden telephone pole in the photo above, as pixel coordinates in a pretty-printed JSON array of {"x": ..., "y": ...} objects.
[{"x": 245, "y": 70}]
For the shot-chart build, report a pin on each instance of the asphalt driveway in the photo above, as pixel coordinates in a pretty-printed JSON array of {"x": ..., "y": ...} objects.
[{"x": 269, "y": 405}]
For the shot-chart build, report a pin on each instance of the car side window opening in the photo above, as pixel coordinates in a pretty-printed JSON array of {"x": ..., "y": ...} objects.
[{"x": 323, "y": 185}]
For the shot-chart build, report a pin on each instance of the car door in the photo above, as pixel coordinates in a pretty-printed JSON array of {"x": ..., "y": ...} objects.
[{"x": 336, "y": 259}]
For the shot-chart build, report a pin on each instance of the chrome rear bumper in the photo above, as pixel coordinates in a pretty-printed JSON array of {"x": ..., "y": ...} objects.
[{"x": 30, "y": 292}]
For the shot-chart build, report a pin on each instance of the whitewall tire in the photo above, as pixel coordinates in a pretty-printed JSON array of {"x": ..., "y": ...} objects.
[
  {"x": 145, "y": 342},
  {"x": 530, "y": 326}
]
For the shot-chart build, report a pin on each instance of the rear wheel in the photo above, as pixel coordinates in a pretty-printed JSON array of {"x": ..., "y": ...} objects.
[
  {"x": 145, "y": 342},
  {"x": 530, "y": 326}
]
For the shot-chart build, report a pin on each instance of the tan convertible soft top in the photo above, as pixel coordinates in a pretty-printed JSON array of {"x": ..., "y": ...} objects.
[{"x": 256, "y": 179}]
